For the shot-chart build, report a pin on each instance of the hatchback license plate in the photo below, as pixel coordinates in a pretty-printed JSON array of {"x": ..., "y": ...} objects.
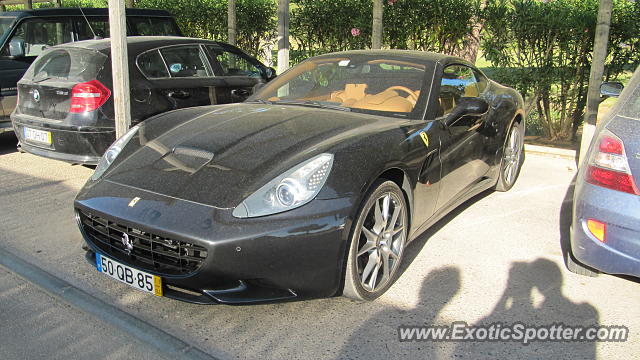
[
  {"x": 40, "y": 136},
  {"x": 130, "y": 276}
]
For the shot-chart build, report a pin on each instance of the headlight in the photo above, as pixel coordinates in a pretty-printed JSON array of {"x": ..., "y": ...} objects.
[
  {"x": 112, "y": 153},
  {"x": 288, "y": 191}
]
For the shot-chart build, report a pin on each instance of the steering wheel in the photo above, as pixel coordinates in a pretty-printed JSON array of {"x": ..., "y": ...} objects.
[{"x": 412, "y": 95}]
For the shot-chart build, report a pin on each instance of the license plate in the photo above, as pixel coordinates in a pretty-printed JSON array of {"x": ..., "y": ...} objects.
[
  {"x": 130, "y": 276},
  {"x": 40, "y": 136}
]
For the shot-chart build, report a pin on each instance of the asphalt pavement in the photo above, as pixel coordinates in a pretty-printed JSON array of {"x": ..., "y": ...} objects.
[{"x": 498, "y": 258}]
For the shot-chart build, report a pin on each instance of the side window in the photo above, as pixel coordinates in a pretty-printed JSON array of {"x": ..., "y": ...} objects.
[
  {"x": 235, "y": 64},
  {"x": 34, "y": 35},
  {"x": 186, "y": 61},
  {"x": 99, "y": 25},
  {"x": 152, "y": 65},
  {"x": 150, "y": 26},
  {"x": 482, "y": 81},
  {"x": 457, "y": 81}
]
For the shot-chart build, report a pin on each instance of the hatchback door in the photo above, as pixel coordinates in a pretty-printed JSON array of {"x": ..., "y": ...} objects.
[
  {"x": 238, "y": 73},
  {"x": 181, "y": 75}
]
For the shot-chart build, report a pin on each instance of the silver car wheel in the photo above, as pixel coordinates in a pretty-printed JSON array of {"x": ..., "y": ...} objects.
[{"x": 381, "y": 242}]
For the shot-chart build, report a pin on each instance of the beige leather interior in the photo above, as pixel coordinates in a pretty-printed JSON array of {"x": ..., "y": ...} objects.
[
  {"x": 354, "y": 95},
  {"x": 350, "y": 95}
]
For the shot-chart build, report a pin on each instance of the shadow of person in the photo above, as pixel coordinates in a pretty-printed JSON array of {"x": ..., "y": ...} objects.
[
  {"x": 534, "y": 298},
  {"x": 377, "y": 338}
]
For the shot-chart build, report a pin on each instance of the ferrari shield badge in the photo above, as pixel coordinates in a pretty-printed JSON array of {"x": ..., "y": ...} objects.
[{"x": 425, "y": 138}]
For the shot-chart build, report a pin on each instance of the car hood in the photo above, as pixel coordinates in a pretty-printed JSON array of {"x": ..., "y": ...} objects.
[{"x": 220, "y": 155}]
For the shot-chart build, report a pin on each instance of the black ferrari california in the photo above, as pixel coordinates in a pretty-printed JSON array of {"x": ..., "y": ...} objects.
[{"x": 313, "y": 187}]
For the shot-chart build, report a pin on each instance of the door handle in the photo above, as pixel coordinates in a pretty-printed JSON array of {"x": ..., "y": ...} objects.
[
  {"x": 178, "y": 94},
  {"x": 240, "y": 92}
]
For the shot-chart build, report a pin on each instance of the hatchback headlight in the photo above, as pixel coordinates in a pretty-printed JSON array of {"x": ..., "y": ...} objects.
[
  {"x": 114, "y": 150},
  {"x": 290, "y": 190}
]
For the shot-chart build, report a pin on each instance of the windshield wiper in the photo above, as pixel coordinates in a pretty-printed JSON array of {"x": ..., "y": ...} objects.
[{"x": 313, "y": 103}]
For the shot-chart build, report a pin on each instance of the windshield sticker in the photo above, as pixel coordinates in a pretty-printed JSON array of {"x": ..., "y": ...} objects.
[{"x": 344, "y": 62}]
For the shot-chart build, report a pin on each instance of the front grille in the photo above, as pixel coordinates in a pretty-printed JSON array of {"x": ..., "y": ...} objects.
[{"x": 149, "y": 252}]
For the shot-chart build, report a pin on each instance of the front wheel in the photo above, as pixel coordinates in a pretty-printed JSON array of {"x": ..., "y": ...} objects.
[
  {"x": 512, "y": 158},
  {"x": 377, "y": 243}
]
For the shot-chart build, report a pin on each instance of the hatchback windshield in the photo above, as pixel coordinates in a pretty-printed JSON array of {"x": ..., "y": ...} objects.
[
  {"x": 72, "y": 64},
  {"x": 384, "y": 86}
]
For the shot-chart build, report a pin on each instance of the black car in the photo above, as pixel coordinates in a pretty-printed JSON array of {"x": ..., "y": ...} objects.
[
  {"x": 26, "y": 34},
  {"x": 65, "y": 108},
  {"x": 312, "y": 187}
]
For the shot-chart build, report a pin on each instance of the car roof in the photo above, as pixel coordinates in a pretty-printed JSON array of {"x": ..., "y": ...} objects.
[
  {"x": 78, "y": 11},
  {"x": 139, "y": 43},
  {"x": 423, "y": 56}
]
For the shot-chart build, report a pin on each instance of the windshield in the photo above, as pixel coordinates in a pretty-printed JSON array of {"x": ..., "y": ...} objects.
[
  {"x": 369, "y": 84},
  {"x": 5, "y": 23},
  {"x": 72, "y": 64}
]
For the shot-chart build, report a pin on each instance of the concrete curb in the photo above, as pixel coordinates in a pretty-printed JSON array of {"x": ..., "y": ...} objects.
[
  {"x": 59, "y": 289},
  {"x": 550, "y": 151}
]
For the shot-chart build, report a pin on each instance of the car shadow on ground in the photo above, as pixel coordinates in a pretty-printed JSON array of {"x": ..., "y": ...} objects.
[
  {"x": 8, "y": 143},
  {"x": 533, "y": 297},
  {"x": 416, "y": 246}
]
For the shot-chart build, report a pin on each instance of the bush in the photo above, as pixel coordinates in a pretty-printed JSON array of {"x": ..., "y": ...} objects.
[
  {"x": 256, "y": 20},
  {"x": 543, "y": 49}
]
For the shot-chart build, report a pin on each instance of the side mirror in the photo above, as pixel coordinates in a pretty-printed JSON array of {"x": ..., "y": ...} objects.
[
  {"x": 611, "y": 89},
  {"x": 467, "y": 106},
  {"x": 269, "y": 73},
  {"x": 16, "y": 48}
]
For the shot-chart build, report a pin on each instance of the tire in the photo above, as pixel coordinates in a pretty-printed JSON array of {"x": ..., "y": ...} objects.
[
  {"x": 512, "y": 158},
  {"x": 577, "y": 268},
  {"x": 377, "y": 242}
]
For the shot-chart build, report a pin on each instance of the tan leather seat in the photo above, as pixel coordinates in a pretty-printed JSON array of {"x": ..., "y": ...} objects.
[
  {"x": 351, "y": 94},
  {"x": 389, "y": 101}
]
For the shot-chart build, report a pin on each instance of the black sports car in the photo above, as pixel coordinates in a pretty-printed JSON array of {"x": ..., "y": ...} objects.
[{"x": 313, "y": 187}]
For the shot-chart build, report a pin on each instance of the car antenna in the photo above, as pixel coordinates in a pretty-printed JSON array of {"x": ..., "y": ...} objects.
[{"x": 95, "y": 37}]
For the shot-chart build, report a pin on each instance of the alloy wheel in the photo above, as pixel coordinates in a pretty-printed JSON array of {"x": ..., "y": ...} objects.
[
  {"x": 381, "y": 242},
  {"x": 512, "y": 155}
]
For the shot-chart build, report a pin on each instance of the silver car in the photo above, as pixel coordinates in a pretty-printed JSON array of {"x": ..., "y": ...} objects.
[{"x": 605, "y": 232}]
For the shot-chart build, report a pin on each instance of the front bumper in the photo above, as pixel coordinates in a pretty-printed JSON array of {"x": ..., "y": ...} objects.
[
  {"x": 620, "y": 253},
  {"x": 70, "y": 144},
  {"x": 296, "y": 254}
]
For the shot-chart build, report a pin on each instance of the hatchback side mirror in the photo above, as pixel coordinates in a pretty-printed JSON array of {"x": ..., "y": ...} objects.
[
  {"x": 269, "y": 73},
  {"x": 257, "y": 87},
  {"x": 611, "y": 89},
  {"x": 467, "y": 106},
  {"x": 16, "y": 48}
]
